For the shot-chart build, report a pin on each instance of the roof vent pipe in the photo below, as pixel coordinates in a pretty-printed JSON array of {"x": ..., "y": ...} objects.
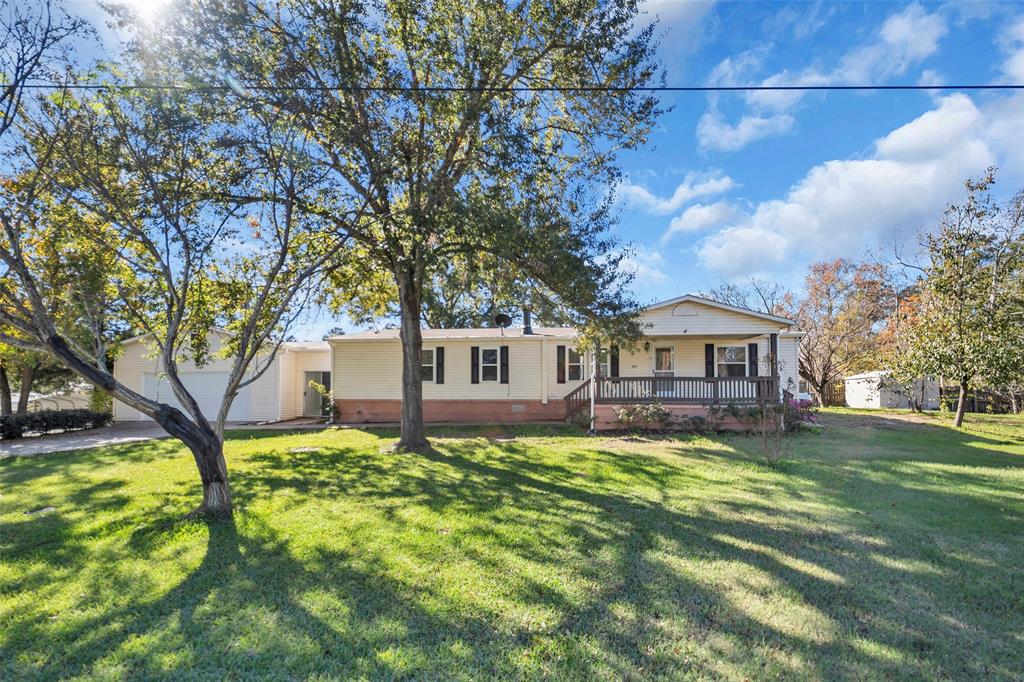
[{"x": 527, "y": 322}]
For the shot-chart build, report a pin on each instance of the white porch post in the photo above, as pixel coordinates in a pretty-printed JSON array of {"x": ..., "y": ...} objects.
[{"x": 593, "y": 388}]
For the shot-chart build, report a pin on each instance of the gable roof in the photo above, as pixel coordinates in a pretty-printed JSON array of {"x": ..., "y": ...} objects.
[{"x": 690, "y": 298}]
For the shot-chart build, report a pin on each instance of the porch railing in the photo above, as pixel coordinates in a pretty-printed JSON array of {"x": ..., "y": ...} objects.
[{"x": 674, "y": 390}]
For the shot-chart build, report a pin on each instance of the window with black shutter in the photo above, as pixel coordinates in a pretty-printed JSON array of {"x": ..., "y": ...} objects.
[
  {"x": 752, "y": 358},
  {"x": 560, "y": 361},
  {"x": 504, "y": 364},
  {"x": 474, "y": 365},
  {"x": 439, "y": 365},
  {"x": 709, "y": 359}
]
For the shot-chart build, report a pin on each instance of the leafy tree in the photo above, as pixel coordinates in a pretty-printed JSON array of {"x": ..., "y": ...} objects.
[
  {"x": 842, "y": 307},
  {"x": 468, "y": 291},
  {"x": 968, "y": 325},
  {"x": 197, "y": 203},
  {"x": 459, "y": 127}
]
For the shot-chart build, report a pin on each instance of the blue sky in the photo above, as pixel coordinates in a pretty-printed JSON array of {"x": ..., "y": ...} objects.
[
  {"x": 737, "y": 185},
  {"x": 733, "y": 185}
]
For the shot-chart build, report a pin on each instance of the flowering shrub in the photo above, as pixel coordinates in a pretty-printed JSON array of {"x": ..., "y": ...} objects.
[{"x": 800, "y": 414}]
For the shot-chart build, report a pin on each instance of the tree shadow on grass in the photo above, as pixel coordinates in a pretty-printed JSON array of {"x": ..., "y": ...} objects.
[
  {"x": 876, "y": 598},
  {"x": 579, "y": 578}
]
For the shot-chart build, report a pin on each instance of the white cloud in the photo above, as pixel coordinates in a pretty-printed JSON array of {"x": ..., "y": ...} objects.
[
  {"x": 693, "y": 186},
  {"x": 683, "y": 20},
  {"x": 713, "y": 132},
  {"x": 647, "y": 265},
  {"x": 931, "y": 77},
  {"x": 840, "y": 206},
  {"x": 699, "y": 217},
  {"x": 1013, "y": 46},
  {"x": 904, "y": 39}
]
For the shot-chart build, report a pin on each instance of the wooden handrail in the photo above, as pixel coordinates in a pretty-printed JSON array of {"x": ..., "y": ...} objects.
[
  {"x": 688, "y": 390},
  {"x": 576, "y": 399}
]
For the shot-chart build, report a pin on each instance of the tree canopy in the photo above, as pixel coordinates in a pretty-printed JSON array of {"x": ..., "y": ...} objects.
[{"x": 454, "y": 129}]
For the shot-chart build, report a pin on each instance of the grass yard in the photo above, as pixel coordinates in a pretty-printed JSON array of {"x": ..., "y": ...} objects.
[{"x": 880, "y": 549}]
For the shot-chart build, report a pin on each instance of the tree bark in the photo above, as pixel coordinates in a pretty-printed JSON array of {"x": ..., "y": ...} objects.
[
  {"x": 28, "y": 376},
  {"x": 413, "y": 436},
  {"x": 1014, "y": 403},
  {"x": 208, "y": 452},
  {"x": 961, "y": 404},
  {"x": 5, "y": 393},
  {"x": 206, "y": 446},
  {"x": 819, "y": 392}
]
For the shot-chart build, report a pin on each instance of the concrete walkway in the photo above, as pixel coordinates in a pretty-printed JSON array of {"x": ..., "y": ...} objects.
[{"x": 120, "y": 433}]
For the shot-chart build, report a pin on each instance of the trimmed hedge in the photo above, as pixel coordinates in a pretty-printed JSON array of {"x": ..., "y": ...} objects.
[{"x": 17, "y": 425}]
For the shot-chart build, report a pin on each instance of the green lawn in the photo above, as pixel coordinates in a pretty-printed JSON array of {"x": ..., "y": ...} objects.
[{"x": 880, "y": 549}]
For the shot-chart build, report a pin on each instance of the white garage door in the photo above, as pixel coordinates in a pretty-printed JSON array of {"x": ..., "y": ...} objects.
[{"x": 206, "y": 387}]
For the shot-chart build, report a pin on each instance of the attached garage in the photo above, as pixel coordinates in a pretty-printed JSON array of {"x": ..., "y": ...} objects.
[
  {"x": 206, "y": 387},
  {"x": 280, "y": 393}
]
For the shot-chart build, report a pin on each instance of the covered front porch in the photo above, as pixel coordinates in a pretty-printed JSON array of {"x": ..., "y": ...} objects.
[
  {"x": 682, "y": 370},
  {"x": 673, "y": 390}
]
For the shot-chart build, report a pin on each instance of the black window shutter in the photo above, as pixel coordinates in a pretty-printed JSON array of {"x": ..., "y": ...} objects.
[
  {"x": 752, "y": 359},
  {"x": 560, "y": 361},
  {"x": 504, "y": 364},
  {"x": 709, "y": 359},
  {"x": 439, "y": 365},
  {"x": 613, "y": 363},
  {"x": 774, "y": 344},
  {"x": 474, "y": 365}
]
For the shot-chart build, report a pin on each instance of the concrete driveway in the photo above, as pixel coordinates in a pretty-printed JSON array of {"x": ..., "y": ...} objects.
[
  {"x": 79, "y": 440},
  {"x": 124, "y": 432}
]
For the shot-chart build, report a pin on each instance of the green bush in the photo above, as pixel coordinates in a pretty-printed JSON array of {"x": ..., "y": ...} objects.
[
  {"x": 17, "y": 425},
  {"x": 643, "y": 415},
  {"x": 101, "y": 401}
]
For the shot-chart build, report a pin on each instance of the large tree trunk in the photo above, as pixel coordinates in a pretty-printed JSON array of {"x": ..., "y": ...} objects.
[
  {"x": 213, "y": 470},
  {"x": 28, "y": 376},
  {"x": 1014, "y": 402},
  {"x": 5, "y": 393},
  {"x": 410, "y": 296},
  {"x": 961, "y": 404},
  {"x": 819, "y": 392},
  {"x": 206, "y": 447}
]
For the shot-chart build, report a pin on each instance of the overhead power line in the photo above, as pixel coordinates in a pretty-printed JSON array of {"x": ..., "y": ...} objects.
[{"x": 456, "y": 88}]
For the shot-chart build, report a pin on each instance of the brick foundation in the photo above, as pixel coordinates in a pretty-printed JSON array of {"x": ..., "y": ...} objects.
[
  {"x": 606, "y": 420},
  {"x": 438, "y": 411}
]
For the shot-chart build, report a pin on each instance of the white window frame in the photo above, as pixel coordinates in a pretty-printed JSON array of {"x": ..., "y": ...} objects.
[
  {"x": 496, "y": 364},
  {"x": 432, "y": 365},
  {"x": 745, "y": 363},
  {"x": 569, "y": 364},
  {"x": 671, "y": 371}
]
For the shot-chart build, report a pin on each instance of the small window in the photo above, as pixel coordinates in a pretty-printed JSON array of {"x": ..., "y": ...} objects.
[
  {"x": 427, "y": 364},
  {"x": 575, "y": 365},
  {"x": 489, "y": 364},
  {"x": 664, "y": 360},
  {"x": 604, "y": 366},
  {"x": 732, "y": 361}
]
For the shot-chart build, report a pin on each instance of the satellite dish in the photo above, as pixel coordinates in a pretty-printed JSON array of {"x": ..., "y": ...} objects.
[{"x": 502, "y": 320}]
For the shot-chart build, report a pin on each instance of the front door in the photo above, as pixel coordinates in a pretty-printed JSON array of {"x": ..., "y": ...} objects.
[
  {"x": 314, "y": 403},
  {"x": 664, "y": 370}
]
